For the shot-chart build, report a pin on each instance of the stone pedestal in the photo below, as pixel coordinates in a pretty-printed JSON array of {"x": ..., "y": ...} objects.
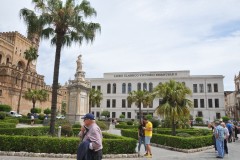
[{"x": 78, "y": 104}]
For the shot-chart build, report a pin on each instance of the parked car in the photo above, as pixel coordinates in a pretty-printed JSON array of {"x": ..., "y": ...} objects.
[
  {"x": 14, "y": 114},
  {"x": 60, "y": 117}
]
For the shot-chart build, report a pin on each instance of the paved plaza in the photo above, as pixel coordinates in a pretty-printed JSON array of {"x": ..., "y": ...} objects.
[{"x": 158, "y": 154}]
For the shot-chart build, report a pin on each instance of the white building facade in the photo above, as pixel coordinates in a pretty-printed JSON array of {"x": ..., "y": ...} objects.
[{"x": 207, "y": 92}]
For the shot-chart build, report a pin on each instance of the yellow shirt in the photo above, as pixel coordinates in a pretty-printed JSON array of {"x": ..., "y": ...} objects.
[{"x": 147, "y": 132}]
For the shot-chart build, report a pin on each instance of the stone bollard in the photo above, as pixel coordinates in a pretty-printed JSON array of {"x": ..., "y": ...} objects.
[{"x": 59, "y": 131}]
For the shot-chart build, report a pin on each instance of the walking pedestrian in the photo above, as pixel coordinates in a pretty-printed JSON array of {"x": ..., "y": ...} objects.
[
  {"x": 148, "y": 136},
  {"x": 230, "y": 129},
  {"x": 219, "y": 135},
  {"x": 226, "y": 134},
  {"x": 141, "y": 137},
  {"x": 91, "y": 134}
]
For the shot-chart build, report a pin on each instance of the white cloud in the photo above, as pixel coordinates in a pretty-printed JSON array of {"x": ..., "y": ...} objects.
[{"x": 200, "y": 36}]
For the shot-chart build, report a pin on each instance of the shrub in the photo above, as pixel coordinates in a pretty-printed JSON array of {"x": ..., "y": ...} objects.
[
  {"x": 11, "y": 120},
  {"x": 124, "y": 126},
  {"x": 102, "y": 125},
  {"x": 183, "y": 135},
  {"x": 76, "y": 126},
  {"x": 155, "y": 122},
  {"x": 174, "y": 141},
  {"x": 41, "y": 116},
  {"x": 225, "y": 119},
  {"x": 47, "y": 111},
  {"x": 36, "y": 110},
  {"x": 66, "y": 130},
  {"x": 199, "y": 119},
  {"x": 113, "y": 145},
  {"x": 121, "y": 116},
  {"x": 130, "y": 123},
  {"x": 2, "y": 115},
  {"x": 34, "y": 131},
  {"x": 7, "y": 125},
  {"x": 149, "y": 117},
  {"x": 5, "y": 108}
]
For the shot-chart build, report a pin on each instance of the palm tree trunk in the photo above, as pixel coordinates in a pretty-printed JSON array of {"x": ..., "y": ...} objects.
[
  {"x": 34, "y": 102},
  {"x": 21, "y": 88},
  {"x": 140, "y": 113},
  {"x": 173, "y": 127},
  {"x": 55, "y": 83},
  {"x": 90, "y": 107}
]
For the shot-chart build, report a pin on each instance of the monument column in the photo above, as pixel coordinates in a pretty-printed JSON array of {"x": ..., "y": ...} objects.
[{"x": 78, "y": 94}]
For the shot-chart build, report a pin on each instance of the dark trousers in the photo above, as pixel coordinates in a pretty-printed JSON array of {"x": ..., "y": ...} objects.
[
  {"x": 214, "y": 142},
  {"x": 225, "y": 146},
  {"x": 230, "y": 137},
  {"x": 97, "y": 155}
]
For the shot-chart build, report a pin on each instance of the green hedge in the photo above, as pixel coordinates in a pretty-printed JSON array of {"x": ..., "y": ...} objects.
[
  {"x": 193, "y": 132},
  {"x": 34, "y": 131},
  {"x": 28, "y": 121},
  {"x": 7, "y": 125},
  {"x": 115, "y": 145},
  {"x": 10, "y": 120},
  {"x": 124, "y": 126},
  {"x": 174, "y": 141}
]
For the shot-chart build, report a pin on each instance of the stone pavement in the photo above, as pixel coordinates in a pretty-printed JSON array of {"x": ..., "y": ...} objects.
[{"x": 158, "y": 153}]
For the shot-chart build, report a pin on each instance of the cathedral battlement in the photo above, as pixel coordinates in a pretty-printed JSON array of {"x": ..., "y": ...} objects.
[{"x": 8, "y": 36}]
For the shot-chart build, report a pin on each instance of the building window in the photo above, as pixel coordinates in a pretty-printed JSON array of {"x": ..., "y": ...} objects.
[
  {"x": 0, "y": 58},
  {"x": 160, "y": 102},
  {"x": 201, "y": 89},
  {"x": 216, "y": 103},
  {"x": 218, "y": 115},
  {"x": 202, "y": 103},
  {"x": 200, "y": 114},
  {"x": 93, "y": 113},
  {"x": 114, "y": 87},
  {"x": 7, "y": 61},
  {"x": 150, "y": 87},
  {"x": 209, "y": 87},
  {"x": 129, "y": 104},
  {"x": 215, "y": 87},
  {"x": 113, "y": 103},
  {"x": 145, "y": 86},
  {"x": 108, "y": 88},
  {"x": 0, "y": 92},
  {"x": 194, "y": 88},
  {"x": 129, "y": 115},
  {"x": 98, "y": 105},
  {"x": 94, "y": 87},
  {"x": 123, "y": 103},
  {"x": 139, "y": 105},
  {"x": 129, "y": 87},
  {"x": 113, "y": 114},
  {"x": 210, "y": 103},
  {"x": 195, "y": 101},
  {"x": 123, "y": 113},
  {"x": 124, "y": 88},
  {"x": 108, "y": 103},
  {"x": 151, "y": 105},
  {"x": 99, "y": 88},
  {"x": 98, "y": 114},
  {"x": 139, "y": 86}
]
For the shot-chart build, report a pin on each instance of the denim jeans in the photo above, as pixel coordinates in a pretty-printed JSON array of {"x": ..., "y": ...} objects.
[
  {"x": 220, "y": 147},
  {"x": 140, "y": 142}
]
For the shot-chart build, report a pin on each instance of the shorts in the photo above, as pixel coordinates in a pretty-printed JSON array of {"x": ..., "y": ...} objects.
[{"x": 147, "y": 139}]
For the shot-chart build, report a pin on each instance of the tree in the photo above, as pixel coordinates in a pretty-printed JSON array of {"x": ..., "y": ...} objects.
[
  {"x": 140, "y": 97},
  {"x": 63, "y": 109},
  {"x": 29, "y": 55},
  {"x": 35, "y": 95},
  {"x": 105, "y": 113},
  {"x": 95, "y": 97},
  {"x": 174, "y": 102},
  {"x": 65, "y": 22}
]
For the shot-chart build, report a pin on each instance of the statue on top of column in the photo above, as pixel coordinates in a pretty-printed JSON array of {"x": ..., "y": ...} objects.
[{"x": 79, "y": 63}]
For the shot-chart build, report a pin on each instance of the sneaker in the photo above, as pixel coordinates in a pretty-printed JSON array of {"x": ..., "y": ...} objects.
[
  {"x": 145, "y": 154},
  {"x": 149, "y": 156}
]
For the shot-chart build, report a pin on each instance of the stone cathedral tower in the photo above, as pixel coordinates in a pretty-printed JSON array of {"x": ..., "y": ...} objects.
[{"x": 78, "y": 103}]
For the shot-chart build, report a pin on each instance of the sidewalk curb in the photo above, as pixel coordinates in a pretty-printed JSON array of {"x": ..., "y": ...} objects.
[{"x": 52, "y": 155}]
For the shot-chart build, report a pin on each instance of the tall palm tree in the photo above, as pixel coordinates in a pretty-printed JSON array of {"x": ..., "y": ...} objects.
[
  {"x": 66, "y": 24},
  {"x": 174, "y": 103},
  {"x": 30, "y": 55},
  {"x": 35, "y": 25},
  {"x": 95, "y": 97},
  {"x": 140, "y": 97},
  {"x": 35, "y": 95}
]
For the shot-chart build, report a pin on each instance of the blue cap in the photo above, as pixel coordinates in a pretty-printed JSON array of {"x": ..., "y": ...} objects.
[{"x": 88, "y": 116}]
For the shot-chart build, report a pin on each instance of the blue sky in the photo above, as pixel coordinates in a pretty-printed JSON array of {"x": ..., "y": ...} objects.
[{"x": 202, "y": 36}]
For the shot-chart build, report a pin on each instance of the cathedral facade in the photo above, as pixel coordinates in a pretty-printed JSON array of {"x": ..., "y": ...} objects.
[{"x": 12, "y": 65}]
